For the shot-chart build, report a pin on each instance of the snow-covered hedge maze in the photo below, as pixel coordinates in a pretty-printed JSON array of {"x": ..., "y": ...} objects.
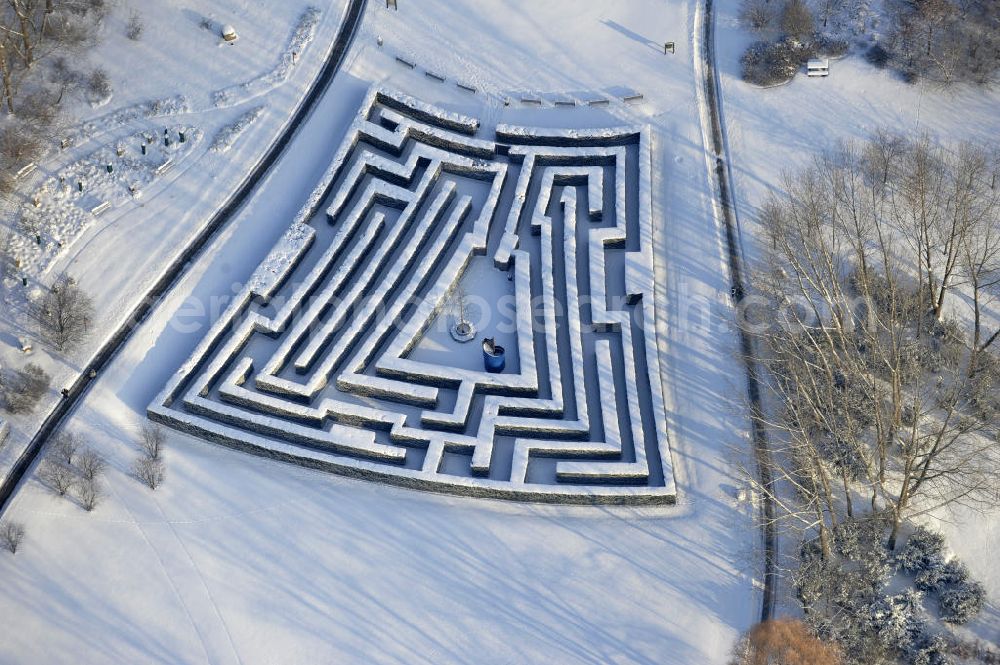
[{"x": 336, "y": 354}]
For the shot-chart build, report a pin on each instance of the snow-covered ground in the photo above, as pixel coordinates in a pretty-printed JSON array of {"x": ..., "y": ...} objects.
[
  {"x": 783, "y": 128},
  {"x": 239, "y": 559}
]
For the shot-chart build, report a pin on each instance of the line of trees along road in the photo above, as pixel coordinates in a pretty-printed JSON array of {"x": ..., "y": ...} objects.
[
  {"x": 876, "y": 312},
  {"x": 879, "y": 391}
]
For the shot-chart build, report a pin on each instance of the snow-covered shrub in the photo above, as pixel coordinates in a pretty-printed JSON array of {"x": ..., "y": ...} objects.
[
  {"x": 165, "y": 106},
  {"x": 923, "y": 551},
  {"x": 860, "y": 538},
  {"x": 950, "y": 574},
  {"x": 99, "y": 85},
  {"x": 135, "y": 27},
  {"x": 929, "y": 580},
  {"x": 946, "y": 345},
  {"x": 928, "y": 650},
  {"x": 768, "y": 64},
  {"x": 954, "y": 573},
  {"x": 824, "y": 583},
  {"x": 875, "y": 569},
  {"x": 861, "y": 541},
  {"x": 961, "y": 602},
  {"x": 895, "y": 619},
  {"x": 22, "y": 388},
  {"x": 831, "y": 47},
  {"x": 910, "y": 74},
  {"x": 888, "y": 297},
  {"x": 877, "y": 56},
  {"x": 812, "y": 577},
  {"x": 983, "y": 389},
  {"x": 227, "y": 135}
]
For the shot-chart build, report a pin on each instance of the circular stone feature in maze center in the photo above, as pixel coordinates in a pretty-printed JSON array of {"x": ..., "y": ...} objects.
[{"x": 463, "y": 331}]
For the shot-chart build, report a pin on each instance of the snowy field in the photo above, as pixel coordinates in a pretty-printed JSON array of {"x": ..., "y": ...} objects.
[
  {"x": 240, "y": 559},
  {"x": 782, "y": 128}
]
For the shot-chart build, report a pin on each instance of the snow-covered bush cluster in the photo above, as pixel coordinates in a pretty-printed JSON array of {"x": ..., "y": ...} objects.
[
  {"x": 775, "y": 61},
  {"x": 63, "y": 205},
  {"x": 228, "y": 135},
  {"x": 959, "y": 597},
  {"x": 769, "y": 63},
  {"x": 877, "y": 56},
  {"x": 99, "y": 89},
  {"x": 845, "y": 596},
  {"x": 961, "y": 603},
  {"x": 135, "y": 26},
  {"x": 945, "y": 41},
  {"x": 923, "y": 551},
  {"x": 155, "y": 108},
  {"x": 21, "y": 389}
]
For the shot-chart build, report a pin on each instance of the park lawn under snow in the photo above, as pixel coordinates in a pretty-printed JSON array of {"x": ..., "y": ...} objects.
[
  {"x": 784, "y": 127},
  {"x": 239, "y": 559}
]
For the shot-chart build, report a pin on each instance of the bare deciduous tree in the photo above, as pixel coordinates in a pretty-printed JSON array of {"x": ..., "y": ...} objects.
[
  {"x": 135, "y": 26},
  {"x": 796, "y": 19},
  {"x": 99, "y": 85},
  {"x": 12, "y": 534},
  {"x": 24, "y": 387},
  {"x": 980, "y": 255},
  {"x": 149, "y": 471},
  {"x": 946, "y": 41},
  {"x": 59, "y": 477},
  {"x": 827, "y": 8},
  {"x": 64, "y": 447},
  {"x": 91, "y": 464},
  {"x": 152, "y": 440},
  {"x": 90, "y": 493},
  {"x": 64, "y": 313},
  {"x": 35, "y": 37},
  {"x": 873, "y": 389},
  {"x": 758, "y": 15},
  {"x": 783, "y": 642}
]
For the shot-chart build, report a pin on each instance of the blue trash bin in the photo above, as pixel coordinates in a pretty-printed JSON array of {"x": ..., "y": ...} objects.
[{"x": 493, "y": 356}]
